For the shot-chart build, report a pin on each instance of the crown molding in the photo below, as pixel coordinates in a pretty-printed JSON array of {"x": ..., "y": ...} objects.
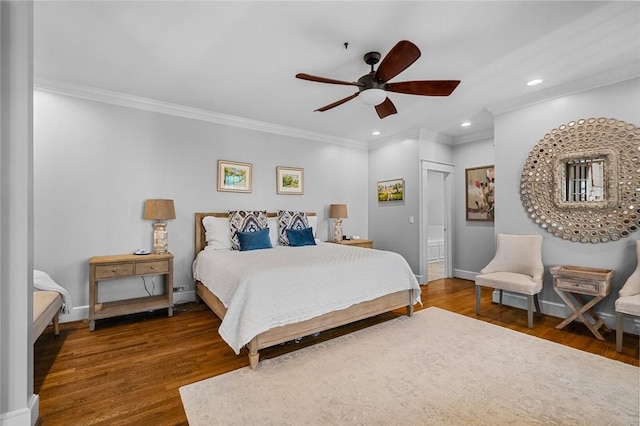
[
  {"x": 57, "y": 87},
  {"x": 421, "y": 134},
  {"x": 619, "y": 75},
  {"x": 474, "y": 137},
  {"x": 395, "y": 138}
]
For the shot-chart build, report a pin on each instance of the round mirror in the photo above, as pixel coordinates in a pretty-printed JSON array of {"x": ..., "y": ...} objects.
[{"x": 581, "y": 181}]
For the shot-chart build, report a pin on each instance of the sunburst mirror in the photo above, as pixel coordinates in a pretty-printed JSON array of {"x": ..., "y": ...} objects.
[{"x": 581, "y": 181}]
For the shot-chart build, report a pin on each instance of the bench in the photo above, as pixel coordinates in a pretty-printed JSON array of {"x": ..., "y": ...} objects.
[{"x": 46, "y": 309}]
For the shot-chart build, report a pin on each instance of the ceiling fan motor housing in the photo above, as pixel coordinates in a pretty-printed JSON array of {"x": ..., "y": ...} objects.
[{"x": 367, "y": 82}]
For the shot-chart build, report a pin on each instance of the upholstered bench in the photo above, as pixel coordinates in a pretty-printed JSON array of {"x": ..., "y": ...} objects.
[{"x": 46, "y": 308}]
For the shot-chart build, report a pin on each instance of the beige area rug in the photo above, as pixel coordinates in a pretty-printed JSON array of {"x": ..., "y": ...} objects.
[{"x": 436, "y": 367}]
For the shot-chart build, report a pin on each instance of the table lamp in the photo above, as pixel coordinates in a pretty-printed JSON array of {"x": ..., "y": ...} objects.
[
  {"x": 159, "y": 210},
  {"x": 338, "y": 212}
]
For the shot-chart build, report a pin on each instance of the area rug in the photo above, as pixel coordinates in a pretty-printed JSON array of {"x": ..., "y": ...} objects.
[{"x": 436, "y": 367}]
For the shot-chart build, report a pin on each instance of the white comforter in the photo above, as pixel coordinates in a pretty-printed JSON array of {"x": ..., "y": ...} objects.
[{"x": 263, "y": 289}]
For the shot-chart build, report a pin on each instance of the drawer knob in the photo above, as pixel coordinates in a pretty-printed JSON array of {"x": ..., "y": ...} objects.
[
  {"x": 114, "y": 270},
  {"x": 153, "y": 267}
]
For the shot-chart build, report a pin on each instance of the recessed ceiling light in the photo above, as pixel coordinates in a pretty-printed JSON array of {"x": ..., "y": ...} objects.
[
  {"x": 534, "y": 82},
  {"x": 465, "y": 124},
  {"x": 375, "y": 133}
]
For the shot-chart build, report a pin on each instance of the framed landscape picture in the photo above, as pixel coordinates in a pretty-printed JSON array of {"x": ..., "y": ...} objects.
[
  {"x": 289, "y": 180},
  {"x": 480, "y": 193},
  {"x": 390, "y": 190},
  {"x": 234, "y": 176}
]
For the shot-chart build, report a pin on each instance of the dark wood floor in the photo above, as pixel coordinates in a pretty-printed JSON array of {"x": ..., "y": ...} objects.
[{"x": 129, "y": 369}]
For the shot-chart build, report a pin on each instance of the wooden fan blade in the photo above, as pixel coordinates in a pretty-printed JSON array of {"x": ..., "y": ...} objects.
[
  {"x": 303, "y": 76},
  {"x": 336, "y": 103},
  {"x": 386, "y": 108},
  {"x": 424, "y": 87},
  {"x": 403, "y": 54}
]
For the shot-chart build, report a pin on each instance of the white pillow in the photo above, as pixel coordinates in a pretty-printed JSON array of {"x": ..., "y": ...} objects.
[
  {"x": 218, "y": 232},
  {"x": 313, "y": 223},
  {"x": 272, "y": 223}
]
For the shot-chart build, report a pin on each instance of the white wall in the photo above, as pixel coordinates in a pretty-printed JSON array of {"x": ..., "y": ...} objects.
[
  {"x": 516, "y": 133},
  {"x": 95, "y": 165}
]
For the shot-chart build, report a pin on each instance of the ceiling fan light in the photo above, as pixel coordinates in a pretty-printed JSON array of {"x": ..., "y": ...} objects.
[{"x": 372, "y": 96}]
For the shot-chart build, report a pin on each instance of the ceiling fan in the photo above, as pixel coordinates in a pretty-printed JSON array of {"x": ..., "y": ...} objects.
[{"x": 372, "y": 87}]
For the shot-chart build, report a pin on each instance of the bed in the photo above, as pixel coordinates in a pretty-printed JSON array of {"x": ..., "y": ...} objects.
[{"x": 267, "y": 297}]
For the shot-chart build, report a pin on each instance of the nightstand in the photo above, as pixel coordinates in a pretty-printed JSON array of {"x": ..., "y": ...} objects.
[
  {"x": 105, "y": 268},
  {"x": 578, "y": 281},
  {"x": 356, "y": 243}
]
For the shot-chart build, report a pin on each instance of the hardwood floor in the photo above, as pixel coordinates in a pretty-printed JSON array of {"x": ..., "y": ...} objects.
[{"x": 129, "y": 369}]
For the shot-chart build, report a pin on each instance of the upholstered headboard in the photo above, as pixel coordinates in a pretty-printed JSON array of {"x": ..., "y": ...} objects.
[{"x": 200, "y": 235}]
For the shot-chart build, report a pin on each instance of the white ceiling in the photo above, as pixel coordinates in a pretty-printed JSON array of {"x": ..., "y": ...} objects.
[{"x": 240, "y": 58}]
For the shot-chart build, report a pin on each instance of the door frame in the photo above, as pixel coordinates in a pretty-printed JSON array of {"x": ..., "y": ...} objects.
[{"x": 448, "y": 182}]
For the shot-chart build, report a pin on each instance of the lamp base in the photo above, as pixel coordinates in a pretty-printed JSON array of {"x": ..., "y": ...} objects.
[
  {"x": 160, "y": 238},
  {"x": 337, "y": 231}
]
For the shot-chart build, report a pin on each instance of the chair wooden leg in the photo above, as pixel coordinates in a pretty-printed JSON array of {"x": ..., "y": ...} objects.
[
  {"x": 619, "y": 331},
  {"x": 530, "y": 310},
  {"x": 478, "y": 293},
  {"x": 500, "y": 298},
  {"x": 537, "y": 302}
]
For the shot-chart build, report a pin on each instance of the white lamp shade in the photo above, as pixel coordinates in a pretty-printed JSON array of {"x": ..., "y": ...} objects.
[{"x": 372, "y": 96}]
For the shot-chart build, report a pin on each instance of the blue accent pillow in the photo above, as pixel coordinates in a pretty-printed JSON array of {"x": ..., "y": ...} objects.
[
  {"x": 301, "y": 237},
  {"x": 254, "y": 240}
]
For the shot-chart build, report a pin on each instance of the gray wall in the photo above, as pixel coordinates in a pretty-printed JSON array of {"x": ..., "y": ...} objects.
[
  {"x": 389, "y": 225},
  {"x": 474, "y": 241},
  {"x": 96, "y": 163},
  {"x": 516, "y": 133}
]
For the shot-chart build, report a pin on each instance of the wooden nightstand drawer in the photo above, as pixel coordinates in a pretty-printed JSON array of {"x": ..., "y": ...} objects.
[
  {"x": 159, "y": 267},
  {"x": 114, "y": 271},
  {"x": 581, "y": 286}
]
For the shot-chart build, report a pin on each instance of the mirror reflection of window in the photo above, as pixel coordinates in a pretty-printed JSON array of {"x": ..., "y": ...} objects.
[{"x": 585, "y": 180}]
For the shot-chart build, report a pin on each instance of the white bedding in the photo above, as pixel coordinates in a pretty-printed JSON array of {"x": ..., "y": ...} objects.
[{"x": 263, "y": 289}]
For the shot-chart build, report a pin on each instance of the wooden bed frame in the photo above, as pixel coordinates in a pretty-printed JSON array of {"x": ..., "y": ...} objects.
[{"x": 289, "y": 332}]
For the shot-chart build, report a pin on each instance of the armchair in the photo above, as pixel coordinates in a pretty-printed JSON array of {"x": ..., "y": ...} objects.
[
  {"x": 628, "y": 301},
  {"x": 517, "y": 267}
]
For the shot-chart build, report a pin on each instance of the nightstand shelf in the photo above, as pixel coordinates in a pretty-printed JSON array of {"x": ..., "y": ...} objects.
[{"x": 105, "y": 268}]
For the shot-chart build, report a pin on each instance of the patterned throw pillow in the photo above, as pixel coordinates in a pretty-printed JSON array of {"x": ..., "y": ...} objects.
[
  {"x": 290, "y": 220},
  {"x": 245, "y": 221}
]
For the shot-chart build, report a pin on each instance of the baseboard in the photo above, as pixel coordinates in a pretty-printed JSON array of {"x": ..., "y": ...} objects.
[
  {"x": 81, "y": 313},
  {"x": 630, "y": 325},
  {"x": 465, "y": 275},
  {"x": 24, "y": 416},
  {"x": 184, "y": 297}
]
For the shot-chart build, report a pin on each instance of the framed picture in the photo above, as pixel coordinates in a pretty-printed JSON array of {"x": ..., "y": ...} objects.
[
  {"x": 480, "y": 193},
  {"x": 390, "y": 190},
  {"x": 289, "y": 180},
  {"x": 234, "y": 177}
]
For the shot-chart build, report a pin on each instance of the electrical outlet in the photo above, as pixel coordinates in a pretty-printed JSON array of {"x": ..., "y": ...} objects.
[{"x": 181, "y": 288}]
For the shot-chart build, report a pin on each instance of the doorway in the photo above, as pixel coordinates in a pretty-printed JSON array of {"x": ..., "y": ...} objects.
[
  {"x": 435, "y": 225},
  {"x": 436, "y": 220}
]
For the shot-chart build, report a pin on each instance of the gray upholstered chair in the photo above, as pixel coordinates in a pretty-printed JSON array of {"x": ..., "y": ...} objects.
[
  {"x": 517, "y": 267},
  {"x": 629, "y": 300}
]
